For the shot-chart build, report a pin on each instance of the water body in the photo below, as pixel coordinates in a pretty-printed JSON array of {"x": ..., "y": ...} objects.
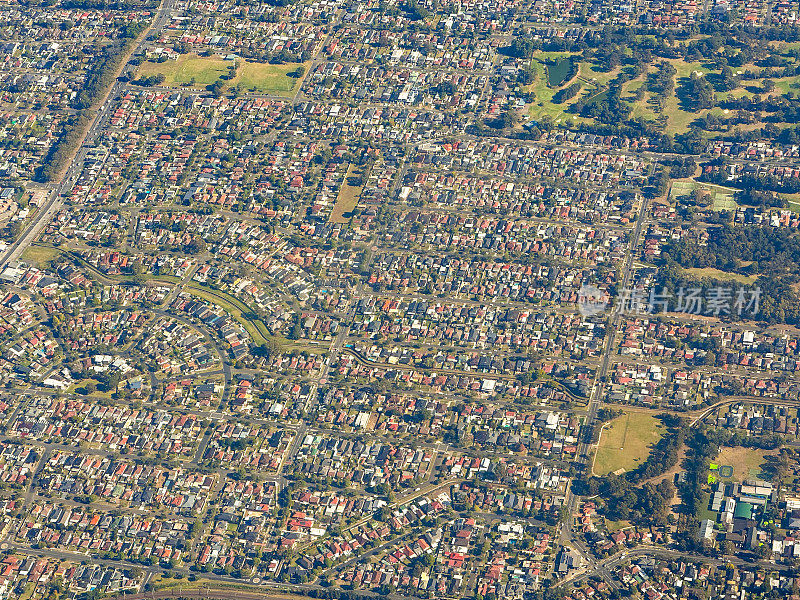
[{"x": 558, "y": 71}]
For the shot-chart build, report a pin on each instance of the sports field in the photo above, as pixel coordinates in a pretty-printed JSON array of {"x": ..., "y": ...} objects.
[
  {"x": 268, "y": 79},
  {"x": 722, "y": 197},
  {"x": 196, "y": 71},
  {"x": 189, "y": 69},
  {"x": 746, "y": 462},
  {"x": 625, "y": 442}
]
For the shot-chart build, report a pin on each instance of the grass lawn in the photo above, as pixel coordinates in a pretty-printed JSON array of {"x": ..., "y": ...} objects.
[
  {"x": 785, "y": 84},
  {"x": 189, "y": 69},
  {"x": 196, "y": 71},
  {"x": 79, "y": 385},
  {"x": 746, "y": 462},
  {"x": 160, "y": 582},
  {"x": 587, "y": 71},
  {"x": 679, "y": 120},
  {"x": 625, "y": 442},
  {"x": 613, "y": 526},
  {"x": 269, "y": 79},
  {"x": 40, "y": 255},
  {"x": 347, "y": 200},
  {"x": 705, "y": 512},
  {"x": 543, "y": 106},
  {"x": 710, "y": 272}
]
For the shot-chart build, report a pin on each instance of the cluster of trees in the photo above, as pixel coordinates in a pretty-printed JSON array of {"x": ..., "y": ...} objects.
[
  {"x": 773, "y": 253},
  {"x": 661, "y": 84},
  {"x": 788, "y": 185},
  {"x": 645, "y": 505},
  {"x": 761, "y": 198},
  {"x": 150, "y": 80},
  {"x": 72, "y": 129},
  {"x": 271, "y": 348},
  {"x": 297, "y": 73},
  {"x": 98, "y": 80},
  {"x": 681, "y": 168},
  {"x": 567, "y": 93},
  {"x": 664, "y": 454},
  {"x": 697, "y": 93},
  {"x": 522, "y": 47},
  {"x": 735, "y": 438},
  {"x": 777, "y": 109},
  {"x": 414, "y": 11},
  {"x": 102, "y": 73},
  {"x": 769, "y": 250},
  {"x": 606, "y": 107},
  {"x": 507, "y": 120},
  {"x": 196, "y": 246},
  {"x": 703, "y": 446}
]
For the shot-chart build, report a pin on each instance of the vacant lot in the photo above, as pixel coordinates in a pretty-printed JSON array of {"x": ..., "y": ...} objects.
[
  {"x": 40, "y": 255},
  {"x": 746, "y": 462},
  {"x": 625, "y": 442},
  {"x": 347, "y": 200}
]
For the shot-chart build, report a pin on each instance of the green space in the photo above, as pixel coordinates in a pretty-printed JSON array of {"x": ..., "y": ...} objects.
[
  {"x": 705, "y": 512},
  {"x": 196, "y": 71},
  {"x": 785, "y": 84},
  {"x": 40, "y": 256},
  {"x": 88, "y": 387},
  {"x": 551, "y": 69},
  {"x": 269, "y": 79},
  {"x": 719, "y": 275},
  {"x": 746, "y": 462},
  {"x": 188, "y": 69},
  {"x": 625, "y": 442},
  {"x": 543, "y": 107},
  {"x": 722, "y": 197},
  {"x": 558, "y": 70},
  {"x": 164, "y": 582},
  {"x": 613, "y": 526},
  {"x": 237, "y": 309},
  {"x": 347, "y": 200}
]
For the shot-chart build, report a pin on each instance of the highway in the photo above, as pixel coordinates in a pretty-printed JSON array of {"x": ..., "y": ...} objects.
[{"x": 70, "y": 175}]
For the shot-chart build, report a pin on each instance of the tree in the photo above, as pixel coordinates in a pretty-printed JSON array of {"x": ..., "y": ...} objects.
[
  {"x": 522, "y": 47},
  {"x": 268, "y": 349},
  {"x": 728, "y": 80},
  {"x": 196, "y": 246},
  {"x": 698, "y": 93}
]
